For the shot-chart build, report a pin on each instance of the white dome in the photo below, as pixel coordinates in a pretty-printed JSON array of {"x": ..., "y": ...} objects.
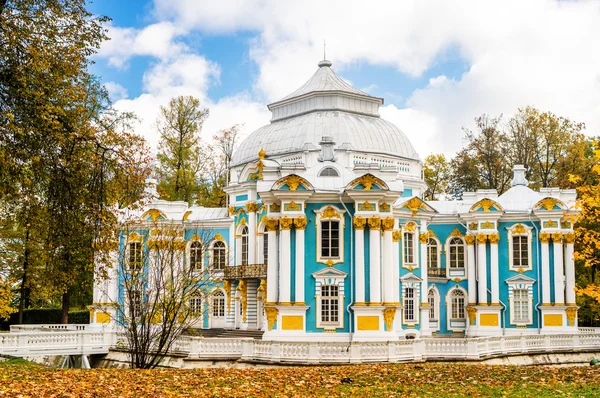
[{"x": 326, "y": 106}]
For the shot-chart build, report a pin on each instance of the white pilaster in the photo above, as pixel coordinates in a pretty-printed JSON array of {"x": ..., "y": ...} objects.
[
  {"x": 300, "y": 224},
  {"x": 285, "y": 262},
  {"x": 387, "y": 257},
  {"x": 424, "y": 307},
  {"x": 544, "y": 238},
  {"x": 396, "y": 264},
  {"x": 359, "y": 247},
  {"x": 375, "y": 260},
  {"x": 494, "y": 276},
  {"x": 272, "y": 274},
  {"x": 238, "y": 250},
  {"x": 570, "y": 268},
  {"x": 251, "y": 207},
  {"x": 471, "y": 273},
  {"x": 482, "y": 269},
  {"x": 559, "y": 282}
]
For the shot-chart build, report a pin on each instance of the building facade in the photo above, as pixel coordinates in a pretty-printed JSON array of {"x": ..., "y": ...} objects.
[{"x": 327, "y": 236}]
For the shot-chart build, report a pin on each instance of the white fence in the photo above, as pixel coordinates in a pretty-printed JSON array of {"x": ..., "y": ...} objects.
[{"x": 55, "y": 343}]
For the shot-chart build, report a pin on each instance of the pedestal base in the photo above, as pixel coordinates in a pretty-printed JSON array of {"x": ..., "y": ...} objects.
[
  {"x": 488, "y": 321},
  {"x": 291, "y": 323},
  {"x": 555, "y": 320},
  {"x": 370, "y": 325}
]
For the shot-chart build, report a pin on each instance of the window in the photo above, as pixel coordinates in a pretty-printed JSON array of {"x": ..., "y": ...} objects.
[
  {"x": 136, "y": 304},
  {"x": 409, "y": 248},
  {"x": 520, "y": 252},
  {"x": 457, "y": 253},
  {"x": 135, "y": 256},
  {"x": 520, "y": 303},
  {"x": 245, "y": 245},
  {"x": 330, "y": 304},
  {"x": 409, "y": 305},
  {"x": 196, "y": 256},
  {"x": 329, "y": 172},
  {"x": 432, "y": 254},
  {"x": 457, "y": 303},
  {"x": 431, "y": 300},
  {"x": 219, "y": 257},
  {"x": 218, "y": 304},
  {"x": 265, "y": 248},
  {"x": 196, "y": 306},
  {"x": 330, "y": 239}
]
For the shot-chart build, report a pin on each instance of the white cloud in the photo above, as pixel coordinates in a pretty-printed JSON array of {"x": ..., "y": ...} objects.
[{"x": 115, "y": 91}]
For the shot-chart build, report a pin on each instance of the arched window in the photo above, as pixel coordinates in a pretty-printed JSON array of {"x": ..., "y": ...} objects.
[
  {"x": 433, "y": 260},
  {"x": 433, "y": 304},
  {"x": 457, "y": 304},
  {"x": 219, "y": 255},
  {"x": 329, "y": 172},
  {"x": 330, "y": 239},
  {"x": 457, "y": 253},
  {"x": 218, "y": 304},
  {"x": 196, "y": 256},
  {"x": 245, "y": 245}
]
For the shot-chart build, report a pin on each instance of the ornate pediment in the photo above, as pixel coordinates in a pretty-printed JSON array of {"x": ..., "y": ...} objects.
[
  {"x": 550, "y": 204},
  {"x": 486, "y": 205},
  {"x": 410, "y": 277},
  {"x": 367, "y": 182},
  {"x": 416, "y": 204},
  {"x": 329, "y": 273},
  {"x": 520, "y": 279},
  {"x": 292, "y": 182}
]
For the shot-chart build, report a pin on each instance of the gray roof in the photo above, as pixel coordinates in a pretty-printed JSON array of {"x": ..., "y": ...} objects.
[{"x": 364, "y": 133}]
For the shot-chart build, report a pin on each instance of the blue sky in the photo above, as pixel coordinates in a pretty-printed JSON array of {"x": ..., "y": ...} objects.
[{"x": 437, "y": 64}]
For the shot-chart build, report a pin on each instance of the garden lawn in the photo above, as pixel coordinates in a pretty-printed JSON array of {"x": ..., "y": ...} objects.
[{"x": 389, "y": 380}]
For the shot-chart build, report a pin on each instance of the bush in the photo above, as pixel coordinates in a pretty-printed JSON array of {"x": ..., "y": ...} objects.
[{"x": 39, "y": 316}]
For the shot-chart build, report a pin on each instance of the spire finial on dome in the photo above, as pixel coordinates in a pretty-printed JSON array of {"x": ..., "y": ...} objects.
[{"x": 325, "y": 63}]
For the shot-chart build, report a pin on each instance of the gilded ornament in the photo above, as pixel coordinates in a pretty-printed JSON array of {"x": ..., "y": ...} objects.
[
  {"x": 231, "y": 210},
  {"x": 243, "y": 289},
  {"x": 411, "y": 268},
  {"x": 251, "y": 207},
  {"x": 410, "y": 227},
  {"x": 300, "y": 223},
  {"x": 366, "y": 206},
  {"x": 293, "y": 181},
  {"x": 262, "y": 289},
  {"x": 571, "y": 315},
  {"x": 547, "y": 203},
  {"x": 367, "y": 181},
  {"x": 242, "y": 221},
  {"x": 227, "y": 286},
  {"x": 550, "y": 224},
  {"x": 271, "y": 313},
  {"x": 520, "y": 270},
  {"x": 544, "y": 237},
  {"x": 470, "y": 239},
  {"x": 472, "y": 311},
  {"x": 423, "y": 238},
  {"x": 292, "y": 206},
  {"x": 519, "y": 229},
  {"x": 261, "y": 154},
  {"x": 486, "y": 204},
  {"x": 481, "y": 238},
  {"x": 387, "y": 223},
  {"x": 473, "y": 226},
  {"x": 286, "y": 223},
  {"x": 494, "y": 238},
  {"x": 384, "y": 207},
  {"x": 240, "y": 211},
  {"x": 330, "y": 212},
  {"x": 271, "y": 224},
  {"x": 396, "y": 236},
  {"x": 275, "y": 208},
  {"x": 359, "y": 222},
  {"x": 329, "y": 263},
  {"x": 414, "y": 205},
  {"x": 557, "y": 237},
  {"x": 569, "y": 237},
  {"x": 388, "y": 317},
  {"x": 431, "y": 234},
  {"x": 154, "y": 214},
  {"x": 456, "y": 280},
  {"x": 456, "y": 233},
  {"x": 187, "y": 215},
  {"x": 374, "y": 223},
  {"x": 488, "y": 225}
]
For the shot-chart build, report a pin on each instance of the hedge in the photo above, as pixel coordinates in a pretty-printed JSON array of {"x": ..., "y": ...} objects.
[{"x": 45, "y": 315}]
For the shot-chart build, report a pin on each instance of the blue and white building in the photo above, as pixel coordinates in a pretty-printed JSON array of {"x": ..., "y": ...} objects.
[{"x": 327, "y": 237}]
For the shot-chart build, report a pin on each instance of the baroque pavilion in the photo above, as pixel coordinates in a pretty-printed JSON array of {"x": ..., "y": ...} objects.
[{"x": 327, "y": 237}]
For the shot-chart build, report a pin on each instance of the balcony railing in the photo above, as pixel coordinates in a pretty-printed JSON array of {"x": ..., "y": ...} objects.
[
  {"x": 436, "y": 272},
  {"x": 247, "y": 271}
]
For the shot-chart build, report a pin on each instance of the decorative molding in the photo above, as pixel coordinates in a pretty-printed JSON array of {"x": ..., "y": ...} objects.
[
  {"x": 388, "y": 317},
  {"x": 227, "y": 286},
  {"x": 518, "y": 229},
  {"x": 367, "y": 181},
  {"x": 550, "y": 224},
  {"x": 547, "y": 203},
  {"x": 275, "y": 208},
  {"x": 472, "y": 312},
  {"x": 154, "y": 214},
  {"x": 271, "y": 313},
  {"x": 486, "y": 204},
  {"x": 218, "y": 236},
  {"x": 231, "y": 210},
  {"x": 366, "y": 206},
  {"x": 187, "y": 215},
  {"x": 396, "y": 236},
  {"x": 286, "y": 223},
  {"x": 330, "y": 212},
  {"x": 424, "y": 237},
  {"x": 243, "y": 289},
  {"x": 384, "y": 208},
  {"x": 359, "y": 222},
  {"x": 292, "y": 206},
  {"x": 410, "y": 227},
  {"x": 414, "y": 204},
  {"x": 251, "y": 207},
  {"x": 473, "y": 226},
  {"x": 488, "y": 225},
  {"x": 300, "y": 223},
  {"x": 456, "y": 233},
  {"x": 571, "y": 315},
  {"x": 374, "y": 223},
  {"x": 387, "y": 223}
]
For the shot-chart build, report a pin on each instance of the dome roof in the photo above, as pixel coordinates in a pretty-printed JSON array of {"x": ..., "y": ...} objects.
[{"x": 326, "y": 106}]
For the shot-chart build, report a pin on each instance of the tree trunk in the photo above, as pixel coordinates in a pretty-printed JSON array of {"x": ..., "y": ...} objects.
[
  {"x": 66, "y": 302},
  {"x": 24, "y": 293},
  {"x": 2, "y": 4}
]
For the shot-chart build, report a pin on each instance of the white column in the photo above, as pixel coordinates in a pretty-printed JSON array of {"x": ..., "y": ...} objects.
[
  {"x": 544, "y": 238},
  {"x": 423, "y": 238},
  {"x": 387, "y": 257},
  {"x": 396, "y": 265},
  {"x": 285, "y": 277},
  {"x": 494, "y": 276},
  {"x": 375, "y": 260},
  {"x": 482, "y": 269},
  {"x": 238, "y": 250},
  {"x": 570, "y": 268},
  {"x": 471, "y": 273},
  {"x": 359, "y": 247},
  {"x": 559, "y": 282},
  {"x": 272, "y": 274},
  {"x": 300, "y": 225},
  {"x": 252, "y": 207}
]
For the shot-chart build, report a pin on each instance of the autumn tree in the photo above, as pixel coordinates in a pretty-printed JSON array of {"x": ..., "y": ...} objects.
[
  {"x": 436, "y": 172},
  {"x": 179, "y": 153}
]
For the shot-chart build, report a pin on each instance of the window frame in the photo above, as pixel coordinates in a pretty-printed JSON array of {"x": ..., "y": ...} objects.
[
  {"x": 330, "y": 213},
  {"x": 218, "y": 295},
  {"x": 245, "y": 245},
  {"x": 414, "y": 283},
  {"x": 456, "y": 323},
  {"x": 512, "y": 233},
  {"x": 454, "y": 244},
  {"x": 437, "y": 253},
  {"x": 139, "y": 263},
  {"x": 410, "y": 306},
  {"x": 329, "y": 277},
  {"x": 326, "y": 169},
  {"x": 333, "y": 305},
  {"x": 410, "y": 229},
  {"x": 213, "y": 257},
  {"x": 522, "y": 283},
  {"x": 189, "y": 252},
  {"x": 330, "y": 239}
]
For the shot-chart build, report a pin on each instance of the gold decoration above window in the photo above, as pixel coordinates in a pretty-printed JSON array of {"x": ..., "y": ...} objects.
[
  {"x": 367, "y": 181},
  {"x": 292, "y": 206},
  {"x": 431, "y": 234},
  {"x": 218, "y": 236},
  {"x": 359, "y": 222},
  {"x": 519, "y": 229},
  {"x": 456, "y": 233},
  {"x": 486, "y": 204},
  {"x": 494, "y": 238},
  {"x": 557, "y": 237},
  {"x": 414, "y": 205},
  {"x": 520, "y": 270},
  {"x": 240, "y": 211},
  {"x": 570, "y": 237},
  {"x": 251, "y": 207},
  {"x": 481, "y": 238},
  {"x": 396, "y": 236},
  {"x": 154, "y": 214},
  {"x": 550, "y": 224},
  {"x": 544, "y": 237},
  {"x": 242, "y": 221},
  {"x": 286, "y": 223},
  {"x": 384, "y": 207},
  {"x": 423, "y": 238},
  {"x": 300, "y": 223},
  {"x": 488, "y": 225},
  {"x": 470, "y": 239},
  {"x": 366, "y": 206},
  {"x": 330, "y": 212},
  {"x": 547, "y": 203},
  {"x": 293, "y": 181},
  {"x": 387, "y": 223},
  {"x": 374, "y": 223},
  {"x": 410, "y": 227},
  {"x": 275, "y": 208}
]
